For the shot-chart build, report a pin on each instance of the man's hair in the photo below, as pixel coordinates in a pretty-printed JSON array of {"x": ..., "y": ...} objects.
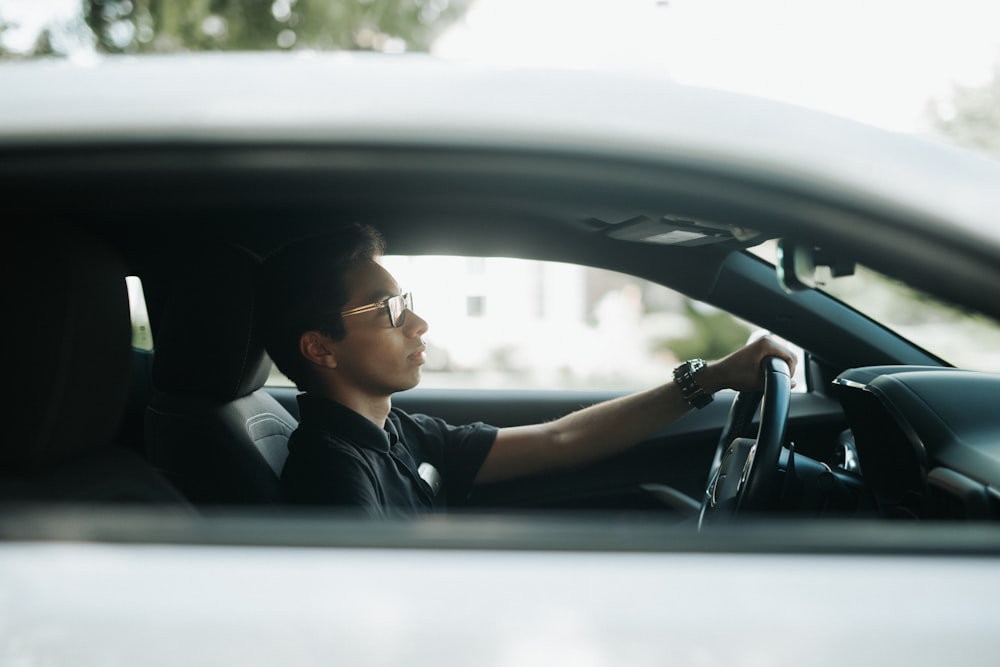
[{"x": 301, "y": 287}]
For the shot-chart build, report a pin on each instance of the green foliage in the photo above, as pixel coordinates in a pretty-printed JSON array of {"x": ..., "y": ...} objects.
[
  {"x": 4, "y": 27},
  {"x": 715, "y": 334},
  {"x": 135, "y": 26}
]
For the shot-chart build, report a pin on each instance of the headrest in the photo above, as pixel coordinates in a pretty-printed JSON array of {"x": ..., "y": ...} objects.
[
  {"x": 66, "y": 320},
  {"x": 206, "y": 345}
]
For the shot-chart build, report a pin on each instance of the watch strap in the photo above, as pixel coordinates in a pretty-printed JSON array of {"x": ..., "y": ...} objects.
[{"x": 693, "y": 393}]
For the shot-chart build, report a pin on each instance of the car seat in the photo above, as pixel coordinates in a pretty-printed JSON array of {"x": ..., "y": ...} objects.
[
  {"x": 210, "y": 427},
  {"x": 67, "y": 331}
]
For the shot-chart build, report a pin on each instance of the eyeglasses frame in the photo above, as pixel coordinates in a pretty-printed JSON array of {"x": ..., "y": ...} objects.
[{"x": 407, "y": 304}]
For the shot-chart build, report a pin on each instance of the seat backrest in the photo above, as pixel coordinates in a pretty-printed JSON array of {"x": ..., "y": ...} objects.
[
  {"x": 210, "y": 427},
  {"x": 68, "y": 348}
]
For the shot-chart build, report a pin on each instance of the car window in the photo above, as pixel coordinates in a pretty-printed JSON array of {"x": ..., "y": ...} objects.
[
  {"x": 959, "y": 337},
  {"x": 962, "y": 338},
  {"x": 142, "y": 335},
  {"x": 499, "y": 323}
]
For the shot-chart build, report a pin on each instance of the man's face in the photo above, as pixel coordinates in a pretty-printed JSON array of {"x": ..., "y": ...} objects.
[{"x": 375, "y": 358}]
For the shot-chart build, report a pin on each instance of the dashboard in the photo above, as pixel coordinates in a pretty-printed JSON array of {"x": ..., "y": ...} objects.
[{"x": 928, "y": 439}]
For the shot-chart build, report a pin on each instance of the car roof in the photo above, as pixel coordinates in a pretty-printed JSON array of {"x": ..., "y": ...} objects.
[{"x": 417, "y": 99}]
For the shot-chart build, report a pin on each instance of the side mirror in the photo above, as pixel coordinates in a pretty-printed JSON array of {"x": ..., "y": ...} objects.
[{"x": 798, "y": 264}]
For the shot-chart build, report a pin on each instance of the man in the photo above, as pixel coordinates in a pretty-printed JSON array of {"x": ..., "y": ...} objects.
[{"x": 335, "y": 322}]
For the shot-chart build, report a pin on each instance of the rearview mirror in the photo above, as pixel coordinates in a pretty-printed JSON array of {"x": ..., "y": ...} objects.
[{"x": 798, "y": 266}]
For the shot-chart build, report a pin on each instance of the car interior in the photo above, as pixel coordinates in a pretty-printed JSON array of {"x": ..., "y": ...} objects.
[
  {"x": 74, "y": 364},
  {"x": 193, "y": 421},
  {"x": 209, "y": 425}
]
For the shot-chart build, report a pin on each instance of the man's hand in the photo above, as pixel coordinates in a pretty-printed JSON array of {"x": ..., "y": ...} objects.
[{"x": 741, "y": 370}]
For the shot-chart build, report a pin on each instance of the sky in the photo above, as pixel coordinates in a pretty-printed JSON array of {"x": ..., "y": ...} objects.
[{"x": 877, "y": 61}]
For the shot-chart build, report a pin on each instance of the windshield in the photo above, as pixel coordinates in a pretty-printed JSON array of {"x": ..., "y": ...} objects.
[
  {"x": 963, "y": 339},
  {"x": 959, "y": 337}
]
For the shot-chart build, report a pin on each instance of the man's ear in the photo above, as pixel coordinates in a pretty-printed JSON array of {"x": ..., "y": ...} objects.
[{"x": 317, "y": 348}]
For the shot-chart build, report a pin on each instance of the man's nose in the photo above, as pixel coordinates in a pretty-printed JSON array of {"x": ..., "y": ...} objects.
[{"x": 415, "y": 325}]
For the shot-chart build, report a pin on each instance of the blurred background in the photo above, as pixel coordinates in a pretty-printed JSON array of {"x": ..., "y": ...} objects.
[{"x": 910, "y": 65}]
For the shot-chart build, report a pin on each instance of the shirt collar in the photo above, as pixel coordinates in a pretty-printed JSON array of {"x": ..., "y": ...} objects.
[{"x": 344, "y": 423}]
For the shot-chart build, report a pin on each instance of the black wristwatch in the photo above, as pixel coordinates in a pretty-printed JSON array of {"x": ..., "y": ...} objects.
[{"x": 694, "y": 393}]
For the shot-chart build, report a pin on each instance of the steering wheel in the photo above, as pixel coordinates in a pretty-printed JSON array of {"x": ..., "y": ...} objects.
[{"x": 744, "y": 476}]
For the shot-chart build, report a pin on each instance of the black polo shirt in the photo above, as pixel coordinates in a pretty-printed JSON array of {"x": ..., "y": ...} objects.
[{"x": 414, "y": 464}]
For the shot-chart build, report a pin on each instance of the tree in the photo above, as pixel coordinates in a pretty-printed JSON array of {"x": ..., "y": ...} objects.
[
  {"x": 4, "y": 27},
  {"x": 715, "y": 334},
  {"x": 135, "y": 26},
  {"x": 971, "y": 117}
]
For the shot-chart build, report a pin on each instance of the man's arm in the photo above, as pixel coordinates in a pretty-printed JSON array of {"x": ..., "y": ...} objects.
[{"x": 611, "y": 427}]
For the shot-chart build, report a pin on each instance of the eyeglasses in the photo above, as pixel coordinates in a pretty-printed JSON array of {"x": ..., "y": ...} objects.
[{"x": 396, "y": 305}]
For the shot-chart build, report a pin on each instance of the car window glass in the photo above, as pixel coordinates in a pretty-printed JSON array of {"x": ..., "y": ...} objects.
[
  {"x": 142, "y": 335},
  {"x": 962, "y": 338},
  {"x": 498, "y": 323}
]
